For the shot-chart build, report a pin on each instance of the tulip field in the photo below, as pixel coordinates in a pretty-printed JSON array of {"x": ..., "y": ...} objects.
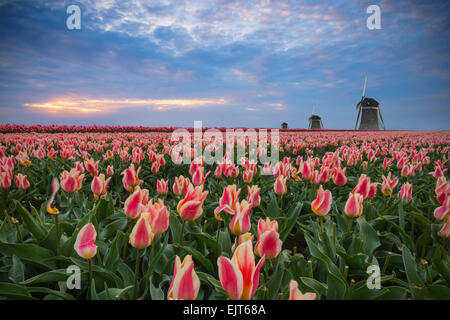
[{"x": 106, "y": 214}]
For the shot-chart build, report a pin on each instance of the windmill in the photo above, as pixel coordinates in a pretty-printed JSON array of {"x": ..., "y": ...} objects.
[
  {"x": 315, "y": 122},
  {"x": 368, "y": 110}
]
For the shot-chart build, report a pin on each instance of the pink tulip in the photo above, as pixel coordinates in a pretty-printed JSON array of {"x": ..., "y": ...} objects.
[
  {"x": 280, "y": 185},
  {"x": 191, "y": 207},
  {"x": 199, "y": 177},
  {"x": 85, "y": 242},
  {"x": 71, "y": 181},
  {"x": 267, "y": 225},
  {"x": 227, "y": 202},
  {"x": 135, "y": 203},
  {"x": 130, "y": 178},
  {"x": 372, "y": 190},
  {"x": 339, "y": 177},
  {"x": 387, "y": 163},
  {"x": 241, "y": 220},
  {"x": 99, "y": 186},
  {"x": 407, "y": 170},
  {"x": 269, "y": 243},
  {"x": 185, "y": 283},
  {"x": 110, "y": 170},
  {"x": 388, "y": 185},
  {"x": 158, "y": 216},
  {"x": 21, "y": 181},
  {"x": 91, "y": 166},
  {"x": 241, "y": 239},
  {"x": 296, "y": 294},
  {"x": 362, "y": 186},
  {"x": 239, "y": 276},
  {"x": 445, "y": 231},
  {"x": 322, "y": 204},
  {"x": 162, "y": 186},
  {"x": 253, "y": 196},
  {"x": 141, "y": 236},
  {"x": 438, "y": 172},
  {"x": 354, "y": 205},
  {"x": 55, "y": 188},
  {"x": 307, "y": 170},
  {"x": 442, "y": 212},
  {"x": 5, "y": 180},
  {"x": 406, "y": 192},
  {"x": 247, "y": 176},
  {"x": 181, "y": 186},
  {"x": 155, "y": 167}
]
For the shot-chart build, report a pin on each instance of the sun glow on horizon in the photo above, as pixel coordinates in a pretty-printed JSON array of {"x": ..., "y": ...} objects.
[{"x": 94, "y": 106}]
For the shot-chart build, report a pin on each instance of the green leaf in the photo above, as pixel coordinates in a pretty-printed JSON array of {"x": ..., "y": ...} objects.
[
  {"x": 16, "y": 273},
  {"x": 49, "y": 276},
  {"x": 316, "y": 286},
  {"x": 36, "y": 229},
  {"x": 33, "y": 253},
  {"x": 155, "y": 293},
  {"x": 59, "y": 294},
  {"x": 291, "y": 221},
  {"x": 411, "y": 268},
  {"x": 273, "y": 210},
  {"x": 368, "y": 234},
  {"x": 14, "y": 291}
]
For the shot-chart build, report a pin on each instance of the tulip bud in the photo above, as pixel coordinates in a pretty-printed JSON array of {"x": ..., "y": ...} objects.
[
  {"x": 85, "y": 242},
  {"x": 406, "y": 192},
  {"x": 162, "y": 186},
  {"x": 280, "y": 185},
  {"x": 241, "y": 220},
  {"x": 442, "y": 212},
  {"x": 354, "y": 205},
  {"x": 141, "y": 236},
  {"x": 110, "y": 170},
  {"x": 99, "y": 186},
  {"x": 190, "y": 208},
  {"x": 21, "y": 181},
  {"x": 239, "y": 276},
  {"x": 322, "y": 204},
  {"x": 158, "y": 216},
  {"x": 133, "y": 206},
  {"x": 185, "y": 283},
  {"x": 445, "y": 231},
  {"x": 253, "y": 196}
]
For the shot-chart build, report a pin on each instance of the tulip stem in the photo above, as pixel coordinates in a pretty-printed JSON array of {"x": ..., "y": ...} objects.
[
  {"x": 58, "y": 247},
  {"x": 90, "y": 273},
  {"x": 136, "y": 272},
  {"x": 350, "y": 224},
  {"x": 5, "y": 208},
  {"x": 19, "y": 234},
  {"x": 218, "y": 236},
  {"x": 386, "y": 262},
  {"x": 321, "y": 223},
  {"x": 182, "y": 231},
  {"x": 427, "y": 232},
  {"x": 266, "y": 269},
  {"x": 124, "y": 251}
]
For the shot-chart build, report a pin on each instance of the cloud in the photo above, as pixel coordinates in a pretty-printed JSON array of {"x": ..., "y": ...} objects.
[{"x": 67, "y": 106}]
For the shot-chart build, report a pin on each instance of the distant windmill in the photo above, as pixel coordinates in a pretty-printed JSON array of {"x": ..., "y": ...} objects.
[
  {"x": 315, "y": 122},
  {"x": 368, "y": 110},
  {"x": 284, "y": 125}
]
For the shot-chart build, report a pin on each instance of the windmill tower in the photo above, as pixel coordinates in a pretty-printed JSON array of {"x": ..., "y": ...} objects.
[
  {"x": 315, "y": 122},
  {"x": 368, "y": 110}
]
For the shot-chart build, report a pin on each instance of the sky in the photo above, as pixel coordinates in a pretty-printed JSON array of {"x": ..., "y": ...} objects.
[{"x": 227, "y": 63}]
